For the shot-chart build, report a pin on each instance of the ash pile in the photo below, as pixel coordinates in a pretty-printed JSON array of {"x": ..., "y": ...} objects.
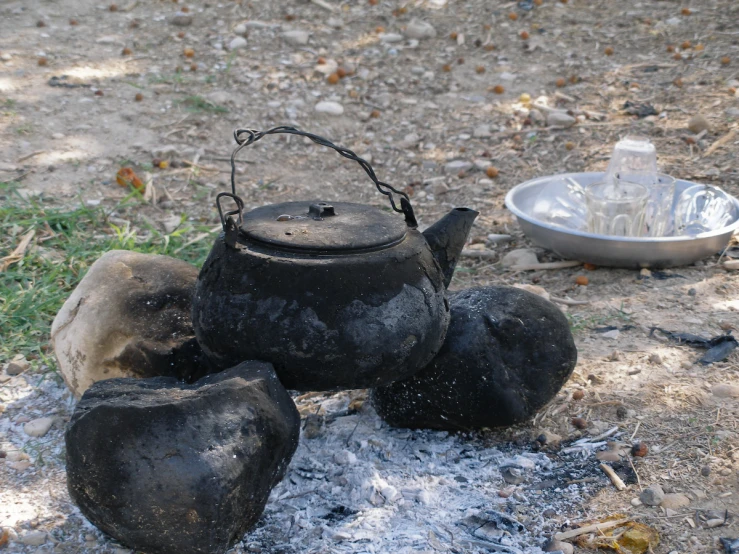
[{"x": 186, "y": 440}]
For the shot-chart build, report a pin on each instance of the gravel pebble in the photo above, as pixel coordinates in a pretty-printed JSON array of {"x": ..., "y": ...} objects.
[
  {"x": 237, "y": 43},
  {"x": 331, "y": 108},
  {"x": 419, "y": 30},
  {"x": 457, "y": 166},
  {"x": 33, "y": 538},
  {"x": 698, "y": 123},
  {"x": 181, "y": 19},
  {"x": 38, "y": 427},
  {"x": 296, "y": 37},
  {"x": 560, "y": 119}
]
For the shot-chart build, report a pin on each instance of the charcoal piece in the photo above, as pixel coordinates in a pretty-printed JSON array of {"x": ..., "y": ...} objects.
[
  {"x": 507, "y": 352},
  {"x": 719, "y": 347},
  {"x": 165, "y": 467},
  {"x": 639, "y": 110}
]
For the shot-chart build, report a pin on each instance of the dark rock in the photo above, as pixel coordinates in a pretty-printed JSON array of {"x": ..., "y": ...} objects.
[
  {"x": 166, "y": 467},
  {"x": 129, "y": 317},
  {"x": 507, "y": 352}
]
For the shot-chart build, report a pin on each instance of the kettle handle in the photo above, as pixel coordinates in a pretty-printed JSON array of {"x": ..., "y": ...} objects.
[{"x": 253, "y": 136}]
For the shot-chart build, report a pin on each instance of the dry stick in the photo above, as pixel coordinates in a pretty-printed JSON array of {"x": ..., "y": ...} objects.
[
  {"x": 631, "y": 438},
  {"x": 31, "y": 155},
  {"x": 720, "y": 142},
  {"x": 590, "y": 528},
  {"x": 638, "y": 481},
  {"x": 615, "y": 479}
]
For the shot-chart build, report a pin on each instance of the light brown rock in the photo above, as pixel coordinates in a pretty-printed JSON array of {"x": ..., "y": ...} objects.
[
  {"x": 698, "y": 123},
  {"x": 726, "y": 391},
  {"x": 126, "y": 318},
  {"x": 675, "y": 501}
]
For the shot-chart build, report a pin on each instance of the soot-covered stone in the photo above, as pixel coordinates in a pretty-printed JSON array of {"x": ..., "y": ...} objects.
[
  {"x": 129, "y": 317},
  {"x": 507, "y": 352},
  {"x": 165, "y": 467}
]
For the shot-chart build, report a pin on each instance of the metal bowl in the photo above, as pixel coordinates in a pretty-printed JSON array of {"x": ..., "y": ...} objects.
[{"x": 606, "y": 250}]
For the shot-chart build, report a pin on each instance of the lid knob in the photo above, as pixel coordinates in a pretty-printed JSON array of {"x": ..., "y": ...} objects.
[{"x": 321, "y": 210}]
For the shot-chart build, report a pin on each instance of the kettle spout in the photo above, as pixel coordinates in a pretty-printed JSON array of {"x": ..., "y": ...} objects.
[{"x": 447, "y": 236}]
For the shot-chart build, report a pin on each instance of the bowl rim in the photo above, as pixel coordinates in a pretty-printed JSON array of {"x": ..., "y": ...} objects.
[{"x": 520, "y": 214}]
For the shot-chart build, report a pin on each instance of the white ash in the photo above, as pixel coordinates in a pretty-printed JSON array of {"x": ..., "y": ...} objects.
[
  {"x": 364, "y": 487},
  {"x": 358, "y": 487}
]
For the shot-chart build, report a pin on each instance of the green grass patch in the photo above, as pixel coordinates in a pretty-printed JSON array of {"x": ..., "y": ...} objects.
[
  {"x": 200, "y": 104},
  {"x": 66, "y": 241}
]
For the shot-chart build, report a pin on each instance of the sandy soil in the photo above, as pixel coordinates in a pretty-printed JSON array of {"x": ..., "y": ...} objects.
[{"x": 411, "y": 106}]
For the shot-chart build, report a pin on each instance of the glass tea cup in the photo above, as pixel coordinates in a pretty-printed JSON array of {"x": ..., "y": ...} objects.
[
  {"x": 658, "y": 219},
  {"x": 632, "y": 155},
  {"x": 562, "y": 202},
  {"x": 616, "y": 208},
  {"x": 703, "y": 208}
]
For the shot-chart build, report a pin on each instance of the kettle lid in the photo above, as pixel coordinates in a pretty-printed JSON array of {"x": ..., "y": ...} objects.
[{"x": 318, "y": 226}]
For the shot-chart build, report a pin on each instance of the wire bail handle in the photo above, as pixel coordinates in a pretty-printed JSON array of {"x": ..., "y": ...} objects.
[{"x": 229, "y": 226}]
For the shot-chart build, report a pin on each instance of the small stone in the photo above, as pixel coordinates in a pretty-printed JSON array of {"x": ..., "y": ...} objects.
[
  {"x": 16, "y": 367},
  {"x": 237, "y": 43},
  {"x": 240, "y": 30},
  {"x": 560, "y": 119},
  {"x": 390, "y": 37},
  {"x": 38, "y": 427},
  {"x": 330, "y": 108},
  {"x": 296, "y": 37},
  {"x": 607, "y": 456},
  {"x": 513, "y": 475},
  {"x": 553, "y": 545},
  {"x": 420, "y": 30},
  {"x": 636, "y": 502},
  {"x": 612, "y": 334},
  {"x": 181, "y": 19},
  {"x": 522, "y": 256},
  {"x": 58, "y": 136},
  {"x": 698, "y": 123},
  {"x": 655, "y": 358},
  {"x": 726, "y": 391},
  {"x": 506, "y": 492},
  {"x": 675, "y": 501},
  {"x": 33, "y": 538},
  {"x": 706, "y": 471},
  {"x": 692, "y": 291},
  {"x": 5, "y": 57},
  {"x": 438, "y": 188},
  {"x": 652, "y": 495},
  {"x": 313, "y": 426},
  {"x": 458, "y": 166},
  {"x": 725, "y": 472},
  {"x": 390, "y": 493},
  {"x": 20, "y": 465},
  {"x": 482, "y": 131},
  {"x": 536, "y": 116}
]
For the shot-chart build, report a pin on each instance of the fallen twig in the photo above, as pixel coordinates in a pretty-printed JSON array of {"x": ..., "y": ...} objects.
[
  {"x": 17, "y": 254},
  {"x": 590, "y": 528},
  {"x": 31, "y": 155},
  {"x": 615, "y": 479},
  {"x": 728, "y": 137}
]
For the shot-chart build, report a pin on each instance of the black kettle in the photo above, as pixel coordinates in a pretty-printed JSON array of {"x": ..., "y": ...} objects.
[{"x": 335, "y": 295}]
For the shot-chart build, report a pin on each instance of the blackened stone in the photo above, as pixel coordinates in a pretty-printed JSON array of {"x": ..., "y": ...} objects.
[
  {"x": 507, "y": 352},
  {"x": 166, "y": 467}
]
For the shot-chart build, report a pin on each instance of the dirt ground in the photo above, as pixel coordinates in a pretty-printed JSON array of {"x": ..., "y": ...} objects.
[{"x": 88, "y": 87}]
